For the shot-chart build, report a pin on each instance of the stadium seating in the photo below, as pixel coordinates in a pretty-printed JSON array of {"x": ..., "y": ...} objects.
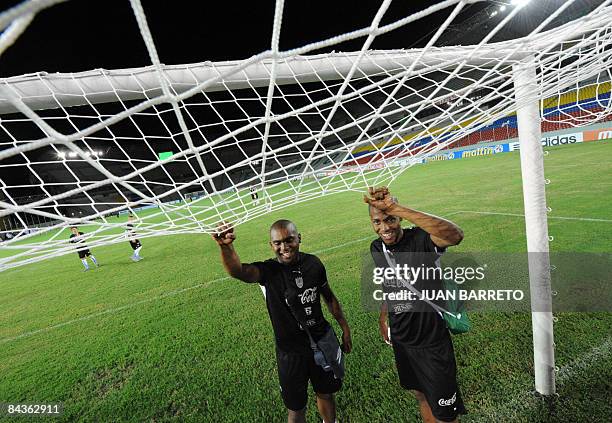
[{"x": 567, "y": 110}]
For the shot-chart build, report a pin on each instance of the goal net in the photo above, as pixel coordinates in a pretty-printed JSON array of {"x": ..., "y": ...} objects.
[{"x": 187, "y": 147}]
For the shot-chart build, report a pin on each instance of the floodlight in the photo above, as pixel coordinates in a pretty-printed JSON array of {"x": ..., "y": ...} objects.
[{"x": 519, "y": 3}]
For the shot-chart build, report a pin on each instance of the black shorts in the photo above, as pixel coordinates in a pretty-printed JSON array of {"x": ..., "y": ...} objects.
[
  {"x": 294, "y": 372},
  {"x": 135, "y": 244},
  {"x": 84, "y": 253},
  {"x": 432, "y": 371}
]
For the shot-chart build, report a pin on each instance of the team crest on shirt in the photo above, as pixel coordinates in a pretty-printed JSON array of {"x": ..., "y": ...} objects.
[{"x": 299, "y": 281}]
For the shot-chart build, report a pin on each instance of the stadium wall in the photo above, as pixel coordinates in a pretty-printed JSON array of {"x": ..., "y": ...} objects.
[
  {"x": 598, "y": 132},
  {"x": 565, "y": 111}
]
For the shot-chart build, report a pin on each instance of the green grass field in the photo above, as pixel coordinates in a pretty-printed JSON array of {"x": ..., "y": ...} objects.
[{"x": 171, "y": 337}]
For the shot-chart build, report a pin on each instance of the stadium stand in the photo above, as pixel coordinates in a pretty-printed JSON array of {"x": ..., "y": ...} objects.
[{"x": 559, "y": 112}]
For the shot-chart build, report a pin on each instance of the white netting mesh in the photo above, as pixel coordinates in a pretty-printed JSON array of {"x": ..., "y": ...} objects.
[{"x": 287, "y": 125}]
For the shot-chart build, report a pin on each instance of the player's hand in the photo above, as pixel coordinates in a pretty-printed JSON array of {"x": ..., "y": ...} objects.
[
  {"x": 385, "y": 331},
  {"x": 225, "y": 234},
  {"x": 347, "y": 343},
  {"x": 380, "y": 198}
]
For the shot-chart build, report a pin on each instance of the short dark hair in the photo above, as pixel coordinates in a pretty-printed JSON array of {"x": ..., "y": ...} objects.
[{"x": 283, "y": 224}]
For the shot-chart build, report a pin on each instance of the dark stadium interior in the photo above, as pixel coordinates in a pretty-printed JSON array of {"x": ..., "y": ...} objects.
[{"x": 77, "y": 36}]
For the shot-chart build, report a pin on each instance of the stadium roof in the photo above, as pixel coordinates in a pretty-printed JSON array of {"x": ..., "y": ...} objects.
[{"x": 82, "y": 35}]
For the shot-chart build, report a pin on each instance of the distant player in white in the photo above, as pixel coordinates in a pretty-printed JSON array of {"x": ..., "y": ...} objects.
[
  {"x": 254, "y": 194},
  {"x": 77, "y": 238},
  {"x": 134, "y": 242}
]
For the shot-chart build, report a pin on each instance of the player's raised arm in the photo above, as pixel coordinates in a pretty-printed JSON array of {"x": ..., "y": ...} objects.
[
  {"x": 229, "y": 257},
  {"x": 444, "y": 233}
]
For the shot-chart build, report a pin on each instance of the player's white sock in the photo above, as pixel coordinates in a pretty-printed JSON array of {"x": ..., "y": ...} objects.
[
  {"x": 84, "y": 261},
  {"x": 137, "y": 252},
  {"x": 94, "y": 260}
]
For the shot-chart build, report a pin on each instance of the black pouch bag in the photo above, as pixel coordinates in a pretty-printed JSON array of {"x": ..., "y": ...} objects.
[
  {"x": 327, "y": 351},
  {"x": 330, "y": 348}
]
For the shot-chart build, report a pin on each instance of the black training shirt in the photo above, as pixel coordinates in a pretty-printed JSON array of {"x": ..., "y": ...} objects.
[
  {"x": 78, "y": 239},
  {"x": 302, "y": 283},
  {"x": 413, "y": 323}
]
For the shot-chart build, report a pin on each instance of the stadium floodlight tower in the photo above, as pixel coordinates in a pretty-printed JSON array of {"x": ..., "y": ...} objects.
[{"x": 293, "y": 124}]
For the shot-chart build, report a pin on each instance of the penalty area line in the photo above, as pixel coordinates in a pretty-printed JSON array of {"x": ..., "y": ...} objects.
[
  {"x": 111, "y": 310},
  {"x": 148, "y": 300},
  {"x": 586, "y": 219}
]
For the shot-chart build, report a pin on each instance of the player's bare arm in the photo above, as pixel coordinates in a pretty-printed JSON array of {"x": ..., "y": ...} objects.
[
  {"x": 383, "y": 324},
  {"x": 229, "y": 257},
  {"x": 444, "y": 233},
  {"x": 333, "y": 305}
]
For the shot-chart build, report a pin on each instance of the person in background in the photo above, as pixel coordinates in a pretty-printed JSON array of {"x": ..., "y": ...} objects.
[{"x": 77, "y": 238}]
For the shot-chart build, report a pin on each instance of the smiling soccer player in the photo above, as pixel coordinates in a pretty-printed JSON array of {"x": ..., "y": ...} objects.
[
  {"x": 293, "y": 283},
  {"x": 424, "y": 354}
]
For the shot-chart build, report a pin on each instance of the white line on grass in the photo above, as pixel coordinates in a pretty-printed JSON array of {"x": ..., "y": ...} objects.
[
  {"x": 111, "y": 310},
  {"x": 527, "y": 401},
  {"x": 335, "y": 247},
  {"x": 587, "y": 219},
  {"x": 148, "y": 300}
]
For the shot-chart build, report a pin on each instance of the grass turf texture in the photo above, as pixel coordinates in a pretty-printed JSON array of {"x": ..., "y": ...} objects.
[{"x": 171, "y": 337}]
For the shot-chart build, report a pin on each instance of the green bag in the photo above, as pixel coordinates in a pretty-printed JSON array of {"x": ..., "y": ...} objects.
[
  {"x": 455, "y": 314},
  {"x": 457, "y": 321}
]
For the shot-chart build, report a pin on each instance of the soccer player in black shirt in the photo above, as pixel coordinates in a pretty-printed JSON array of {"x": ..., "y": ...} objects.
[
  {"x": 422, "y": 345},
  {"x": 298, "y": 279},
  {"x": 134, "y": 242},
  {"x": 77, "y": 238}
]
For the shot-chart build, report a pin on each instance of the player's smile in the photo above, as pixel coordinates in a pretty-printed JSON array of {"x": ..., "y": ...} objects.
[
  {"x": 387, "y": 227},
  {"x": 285, "y": 244},
  {"x": 388, "y": 236},
  {"x": 284, "y": 252},
  {"x": 286, "y": 256}
]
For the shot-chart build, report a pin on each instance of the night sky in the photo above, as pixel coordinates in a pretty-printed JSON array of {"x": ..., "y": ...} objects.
[{"x": 80, "y": 35}]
